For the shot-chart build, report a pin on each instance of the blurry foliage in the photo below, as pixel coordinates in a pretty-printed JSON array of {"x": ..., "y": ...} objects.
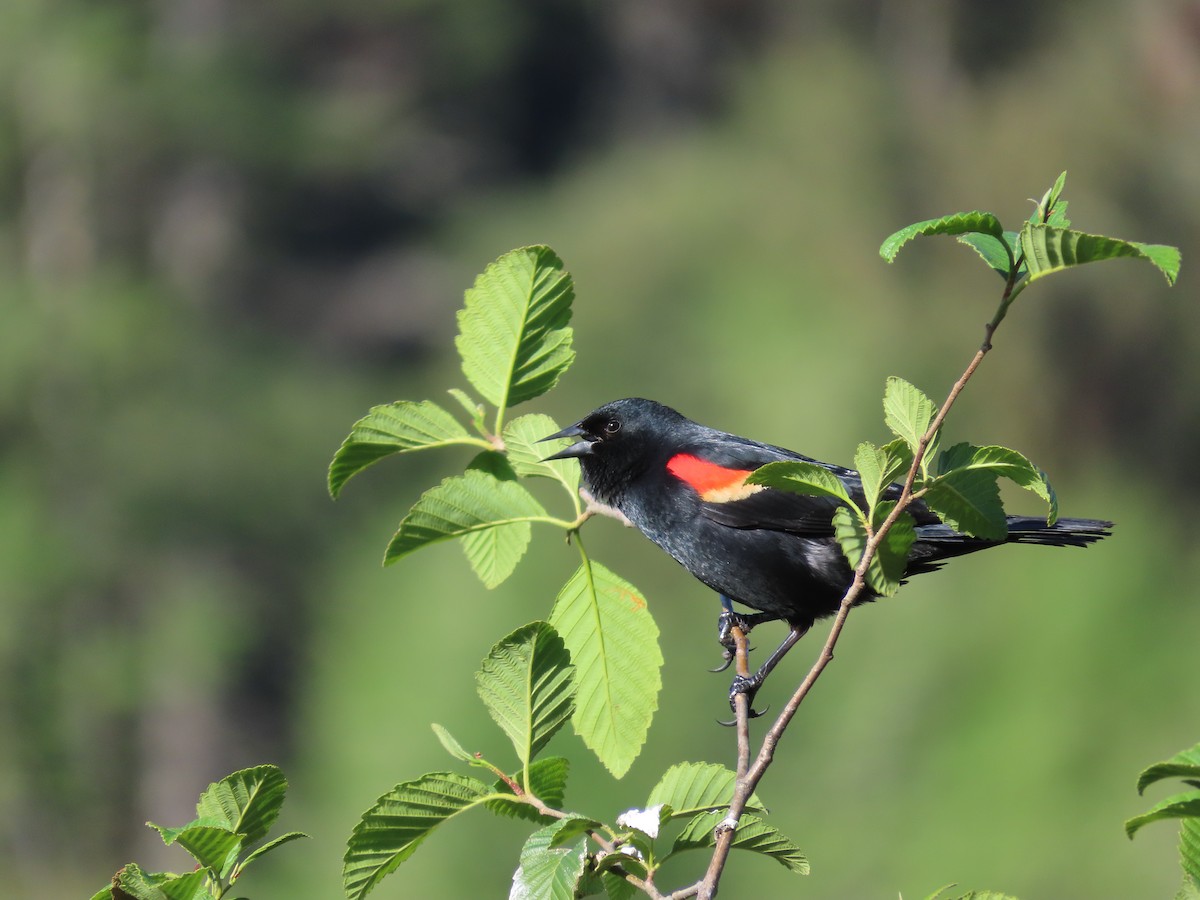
[{"x": 223, "y": 225}]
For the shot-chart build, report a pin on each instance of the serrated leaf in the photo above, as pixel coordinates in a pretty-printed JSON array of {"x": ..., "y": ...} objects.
[
  {"x": 492, "y": 514},
  {"x": 880, "y": 467},
  {"x": 907, "y": 411},
  {"x": 1184, "y": 764},
  {"x": 1189, "y": 852},
  {"x": 246, "y": 802},
  {"x": 547, "y": 872},
  {"x": 395, "y": 428},
  {"x": 548, "y": 779},
  {"x": 886, "y": 568},
  {"x": 212, "y": 846},
  {"x": 474, "y": 411},
  {"x": 1049, "y": 249},
  {"x": 1049, "y": 203},
  {"x": 1180, "y": 806},
  {"x": 513, "y": 338},
  {"x": 269, "y": 846},
  {"x": 392, "y": 829},
  {"x": 752, "y": 834},
  {"x": 613, "y": 641},
  {"x": 452, "y": 746},
  {"x": 1004, "y": 463},
  {"x": 692, "y": 787},
  {"x": 521, "y": 439},
  {"x": 547, "y": 782},
  {"x": 944, "y": 894},
  {"x": 995, "y": 250},
  {"x": 141, "y": 885},
  {"x": 801, "y": 478},
  {"x": 954, "y": 224},
  {"x": 968, "y": 500},
  {"x": 1058, "y": 216},
  {"x": 616, "y": 887},
  {"x": 527, "y": 685}
]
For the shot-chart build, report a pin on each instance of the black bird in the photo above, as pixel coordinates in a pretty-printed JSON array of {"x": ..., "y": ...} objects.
[{"x": 684, "y": 486}]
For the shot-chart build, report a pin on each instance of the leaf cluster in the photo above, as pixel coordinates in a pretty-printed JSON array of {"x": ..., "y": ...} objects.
[
  {"x": 1185, "y": 806},
  {"x": 232, "y": 816},
  {"x": 1045, "y": 244},
  {"x": 595, "y": 661},
  {"x": 528, "y": 685},
  {"x": 961, "y": 486},
  {"x": 514, "y": 342}
]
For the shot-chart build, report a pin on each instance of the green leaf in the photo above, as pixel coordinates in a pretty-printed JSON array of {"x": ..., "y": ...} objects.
[
  {"x": 968, "y": 500},
  {"x": 269, "y": 846},
  {"x": 613, "y": 641},
  {"x": 513, "y": 334},
  {"x": 1180, "y": 806},
  {"x": 801, "y": 478},
  {"x": 1003, "y": 463},
  {"x": 391, "y": 830},
  {"x": 1184, "y": 764},
  {"x": 213, "y": 846},
  {"x": 692, "y": 787},
  {"x": 753, "y": 834},
  {"x": 547, "y": 872},
  {"x": 141, "y": 885},
  {"x": 886, "y": 568},
  {"x": 452, "y": 746},
  {"x": 944, "y": 894},
  {"x": 246, "y": 802},
  {"x": 997, "y": 251},
  {"x": 474, "y": 411},
  {"x": 395, "y": 428},
  {"x": 526, "y": 682},
  {"x": 616, "y": 887},
  {"x": 521, "y": 439},
  {"x": 907, "y": 412},
  {"x": 1189, "y": 853},
  {"x": 547, "y": 782},
  {"x": 548, "y": 779},
  {"x": 880, "y": 467},
  {"x": 957, "y": 223},
  {"x": 492, "y": 515},
  {"x": 1049, "y": 207},
  {"x": 1049, "y": 249}
]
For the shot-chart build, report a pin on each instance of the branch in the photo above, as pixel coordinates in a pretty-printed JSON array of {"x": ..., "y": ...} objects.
[{"x": 748, "y": 779}]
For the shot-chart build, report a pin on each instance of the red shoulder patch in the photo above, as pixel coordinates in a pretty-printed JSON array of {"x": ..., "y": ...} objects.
[{"x": 714, "y": 483}]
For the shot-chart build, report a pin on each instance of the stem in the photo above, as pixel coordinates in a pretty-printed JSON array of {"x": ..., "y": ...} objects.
[{"x": 748, "y": 779}]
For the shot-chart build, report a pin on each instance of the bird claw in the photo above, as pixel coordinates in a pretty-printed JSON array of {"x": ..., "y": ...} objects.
[
  {"x": 728, "y": 657},
  {"x": 748, "y": 685},
  {"x": 750, "y": 714}
]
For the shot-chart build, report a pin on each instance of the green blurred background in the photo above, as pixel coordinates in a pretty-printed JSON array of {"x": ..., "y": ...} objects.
[{"x": 228, "y": 228}]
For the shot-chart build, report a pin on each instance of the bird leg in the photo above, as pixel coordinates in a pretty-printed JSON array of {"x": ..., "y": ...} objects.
[
  {"x": 726, "y": 621},
  {"x": 749, "y": 684}
]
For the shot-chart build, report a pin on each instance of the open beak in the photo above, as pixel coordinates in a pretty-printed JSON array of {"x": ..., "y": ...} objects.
[{"x": 580, "y": 448}]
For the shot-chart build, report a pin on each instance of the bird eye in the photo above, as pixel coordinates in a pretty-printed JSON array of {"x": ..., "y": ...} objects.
[{"x": 612, "y": 426}]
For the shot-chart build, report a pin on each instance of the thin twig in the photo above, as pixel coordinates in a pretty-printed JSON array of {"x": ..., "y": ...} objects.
[{"x": 748, "y": 779}]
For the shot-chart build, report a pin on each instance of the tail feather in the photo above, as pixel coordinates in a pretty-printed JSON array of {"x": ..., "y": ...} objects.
[
  {"x": 1063, "y": 533},
  {"x": 937, "y": 543}
]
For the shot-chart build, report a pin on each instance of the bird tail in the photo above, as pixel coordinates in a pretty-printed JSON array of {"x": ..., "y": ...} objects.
[
  {"x": 1063, "y": 533},
  {"x": 937, "y": 543}
]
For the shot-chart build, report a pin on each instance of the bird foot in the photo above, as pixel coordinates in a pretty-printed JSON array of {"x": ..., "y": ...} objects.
[
  {"x": 726, "y": 622},
  {"x": 748, "y": 685}
]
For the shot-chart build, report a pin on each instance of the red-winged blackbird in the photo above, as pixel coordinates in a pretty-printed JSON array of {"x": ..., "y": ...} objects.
[{"x": 684, "y": 486}]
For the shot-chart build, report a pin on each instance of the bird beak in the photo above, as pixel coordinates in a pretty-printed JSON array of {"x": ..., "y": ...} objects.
[{"x": 579, "y": 448}]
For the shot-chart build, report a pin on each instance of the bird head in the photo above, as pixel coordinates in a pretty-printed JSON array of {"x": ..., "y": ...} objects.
[{"x": 618, "y": 440}]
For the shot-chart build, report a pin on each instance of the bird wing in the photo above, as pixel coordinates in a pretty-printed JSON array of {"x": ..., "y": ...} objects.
[
  {"x": 717, "y": 471},
  {"x": 717, "y": 468}
]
